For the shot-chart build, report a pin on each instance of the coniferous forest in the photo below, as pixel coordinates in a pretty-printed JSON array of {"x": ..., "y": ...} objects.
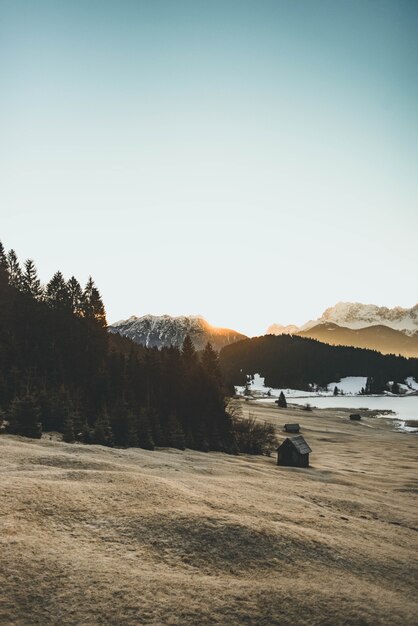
[
  {"x": 297, "y": 362},
  {"x": 60, "y": 370}
]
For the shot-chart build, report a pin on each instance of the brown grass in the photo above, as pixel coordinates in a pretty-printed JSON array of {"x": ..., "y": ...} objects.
[{"x": 91, "y": 535}]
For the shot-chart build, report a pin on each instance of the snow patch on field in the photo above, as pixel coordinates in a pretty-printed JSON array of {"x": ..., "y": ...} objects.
[
  {"x": 348, "y": 386},
  {"x": 351, "y": 385},
  {"x": 412, "y": 383},
  {"x": 257, "y": 388}
]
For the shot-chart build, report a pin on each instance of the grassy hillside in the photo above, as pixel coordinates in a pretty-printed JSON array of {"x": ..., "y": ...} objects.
[{"x": 92, "y": 535}]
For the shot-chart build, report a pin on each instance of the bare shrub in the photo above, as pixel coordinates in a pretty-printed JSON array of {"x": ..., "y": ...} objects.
[{"x": 252, "y": 436}]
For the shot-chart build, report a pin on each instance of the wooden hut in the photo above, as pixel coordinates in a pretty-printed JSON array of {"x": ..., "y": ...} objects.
[
  {"x": 293, "y": 452},
  {"x": 292, "y": 428}
]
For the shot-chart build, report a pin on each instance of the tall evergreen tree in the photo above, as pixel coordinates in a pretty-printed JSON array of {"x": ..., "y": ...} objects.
[
  {"x": 102, "y": 432},
  {"x": 14, "y": 270},
  {"x": 75, "y": 296},
  {"x": 175, "y": 433},
  {"x": 24, "y": 417},
  {"x": 30, "y": 281},
  {"x": 210, "y": 363},
  {"x": 68, "y": 429},
  {"x": 145, "y": 439},
  {"x": 92, "y": 304},
  {"x": 188, "y": 353},
  {"x": 57, "y": 293},
  {"x": 123, "y": 425},
  {"x": 3, "y": 258}
]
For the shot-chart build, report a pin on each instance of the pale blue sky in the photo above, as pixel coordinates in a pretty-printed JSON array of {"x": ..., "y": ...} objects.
[{"x": 252, "y": 161}]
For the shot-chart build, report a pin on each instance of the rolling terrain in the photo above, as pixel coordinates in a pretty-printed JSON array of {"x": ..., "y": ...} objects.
[{"x": 92, "y": 535}]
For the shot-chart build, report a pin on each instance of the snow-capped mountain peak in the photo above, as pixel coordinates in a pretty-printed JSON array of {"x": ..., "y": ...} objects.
[
  {"x": 166, "y": 330},
  {"x": 356, "y": 315},
  {"x": 279, "y": 329}
]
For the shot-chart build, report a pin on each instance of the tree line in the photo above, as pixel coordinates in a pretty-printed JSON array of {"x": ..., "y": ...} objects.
[
  {"x": 298, "y": 362},
  {"x": 60, "y": 370}
]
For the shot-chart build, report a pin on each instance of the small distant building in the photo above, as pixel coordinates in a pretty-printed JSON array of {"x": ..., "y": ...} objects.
[
  {"x": 293, "y": 452},
  {"x": 292, "y": 428},
  {"x": 355, "y": 417}
]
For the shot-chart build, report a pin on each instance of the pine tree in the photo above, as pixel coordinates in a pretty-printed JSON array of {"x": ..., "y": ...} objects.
[
  {"x": 14, "y": 270},
  {"x": 132, "y": 434},
  {"x": 102, "y": 431},
  {"x": 282, "y": 402},
  {"x": 123, "y": 425},
  {"x": 61, "y": 409},
  {"x": 24, "y": 417},
  {"x": 335, "y": 390},
  {"x": 87, "y": 434},
  {"x": 175, "y": 434},
  {"x": 188, "y": 353},
  {"x": 68, "y": 429},
  {"x": 210, "y": 363},
  {"x": 145, "y": 439},
  {"x": 3, "y": 258},
  {"x": 156, "y": 430},
  {"x": 92, "y": 304},
  {"x": 77, "y": 425},
  {"x": 56, "y": 293},
  {"x": 75, "y": 296},
  {"x": 30, "y": 281}
]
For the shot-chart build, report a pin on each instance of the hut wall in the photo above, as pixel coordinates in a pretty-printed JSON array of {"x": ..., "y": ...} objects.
[{"x": 290, "y": 457}]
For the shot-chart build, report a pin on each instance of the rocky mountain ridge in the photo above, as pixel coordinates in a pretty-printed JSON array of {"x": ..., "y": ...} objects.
[
  {"x": 388, "y": 330},
  {"x": 356, "y": 315},
  {"x": 166, "y": 330}
]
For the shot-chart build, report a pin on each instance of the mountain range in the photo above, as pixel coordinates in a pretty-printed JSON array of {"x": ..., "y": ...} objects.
[
  {"x": 165, "y": 330},
  {"x": 390, "y": 331}
]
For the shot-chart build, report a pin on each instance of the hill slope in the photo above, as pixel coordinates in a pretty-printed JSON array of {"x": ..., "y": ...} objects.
[
  {"x": 92, "y": 535},
  {"x": 381, "y": 338},
  {"x": 295, "y": 362},
  {"x": 165, "y": 330},
  {"x": 390, "y": 331}
]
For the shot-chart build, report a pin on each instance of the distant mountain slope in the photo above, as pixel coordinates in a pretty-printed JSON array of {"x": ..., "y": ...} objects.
[
  {"x": 356, "y": 315},
  {"x": 278, "y": 329},
  {"x": 390, "y": 331},
  {"x": 165, "y": 330},
  {"x": 381, "y": 338},
  {"x": 295, "y": 362}
]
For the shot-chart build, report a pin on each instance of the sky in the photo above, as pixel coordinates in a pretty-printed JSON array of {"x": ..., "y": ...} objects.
[{"x": 250, "y": 161}]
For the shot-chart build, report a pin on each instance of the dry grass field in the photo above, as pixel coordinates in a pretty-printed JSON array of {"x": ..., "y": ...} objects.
[{"x": 91, "y": 535}]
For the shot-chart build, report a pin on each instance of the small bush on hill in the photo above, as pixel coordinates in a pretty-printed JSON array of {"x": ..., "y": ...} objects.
[{"x": 252, "y": 436}]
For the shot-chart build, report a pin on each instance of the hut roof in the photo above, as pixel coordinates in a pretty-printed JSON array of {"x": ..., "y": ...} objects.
[{"x": 299, "y": 443}]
